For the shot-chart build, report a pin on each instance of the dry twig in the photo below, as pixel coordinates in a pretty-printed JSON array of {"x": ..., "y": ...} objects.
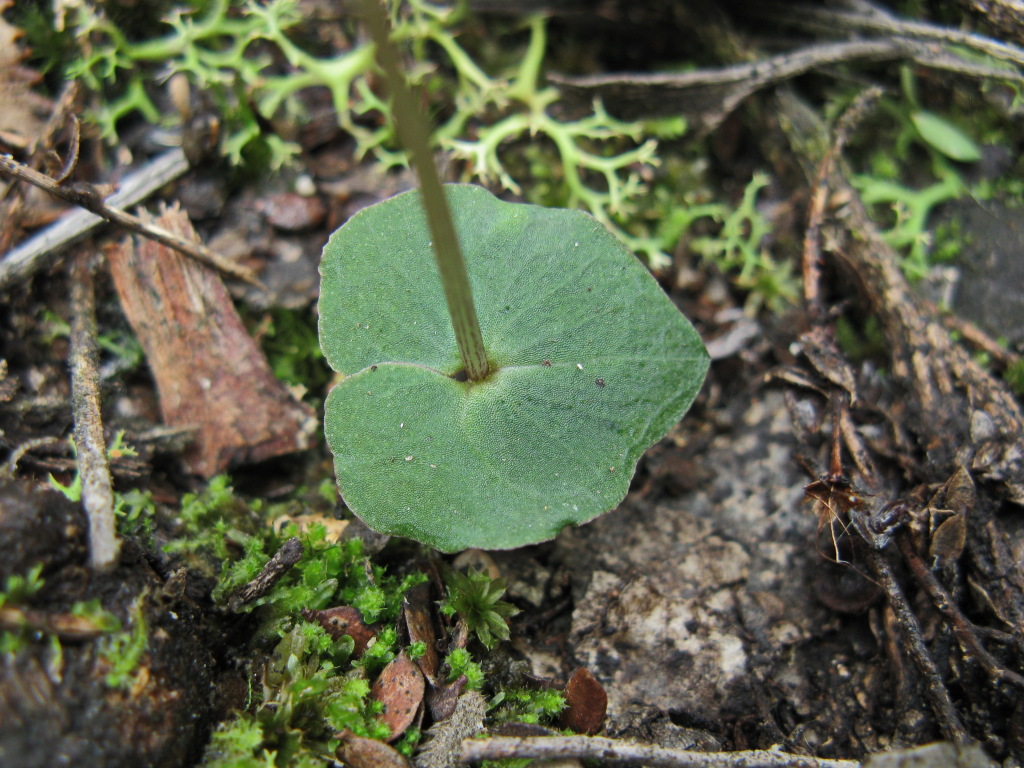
[
  {"x": 874, "y": 18},
  {"x": 288, "y": 555},
  {"x": 611, "y": 750},
  {"x": 942, "y": 704},
  {"x": 93, "y": 468},
  {"x": 24, "y": 260},
  {"x": 963, "y": 629}
]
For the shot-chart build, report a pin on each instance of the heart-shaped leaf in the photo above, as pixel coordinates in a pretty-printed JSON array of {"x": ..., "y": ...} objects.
[{"x": 590, "y": 364}]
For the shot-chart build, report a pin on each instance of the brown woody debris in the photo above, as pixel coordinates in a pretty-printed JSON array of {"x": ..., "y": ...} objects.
[
  {"x": 24, "y": 112},
  {"x": 209, "y": 372}
]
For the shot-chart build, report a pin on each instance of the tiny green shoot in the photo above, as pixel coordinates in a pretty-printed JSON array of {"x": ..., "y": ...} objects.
[
  {"x": 477, "y": 599},
  {"x": 460, "y": 662}
]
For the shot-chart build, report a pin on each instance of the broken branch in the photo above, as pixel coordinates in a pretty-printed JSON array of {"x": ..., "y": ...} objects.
[
  {"x": 611, "y": 750},
  {"x": 88, "y": 197},
  {"x": 942, "y": 704},
  {"x": 91, "y": 454}
]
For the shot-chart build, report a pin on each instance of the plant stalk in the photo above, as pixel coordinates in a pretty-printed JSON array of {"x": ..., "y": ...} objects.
[{"x": 413, "y": 133}]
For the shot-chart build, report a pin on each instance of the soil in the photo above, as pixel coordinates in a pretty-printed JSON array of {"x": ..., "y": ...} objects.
[{"x": 721, "y": 606}]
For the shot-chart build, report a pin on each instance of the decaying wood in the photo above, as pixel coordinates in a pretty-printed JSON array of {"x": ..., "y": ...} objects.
[
  {"x": 209, "y": 372},
  {"x": 91, "y": 457},
  {"x": 867, "y": 17},
  {"x": 938, "y": 695},
  {"x": 958, "y": 411},
  {"x": 1005, "y": 17},
  {"x": 964, "y": 631},
  {"x": 706, "y": 96}
]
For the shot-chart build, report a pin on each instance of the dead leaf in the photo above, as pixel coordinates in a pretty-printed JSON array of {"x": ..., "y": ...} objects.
[
  {"x": 586, "y": 703},
  {"x": 418, "y": 616},
  {"x": 344, "y": 620},
  {"x": 959, "y": 493},
  {"x": 948, "y": 541},
  {"x": 442, "y": 699},
  {"x": 335, "y": 528},
  {"x": 360, "y": 752},
  {"x": 826, "y": 359},
  {"x": 400, "y": 688}
]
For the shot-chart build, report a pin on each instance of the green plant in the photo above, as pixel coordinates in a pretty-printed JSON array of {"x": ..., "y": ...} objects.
[
  {"x": 124, "y": 650},
  {"x": 249, "y": 60},
  {"x": 526, "y": 706},
  {"x": 17, "y": 591},
  {"x": 588, "y": 364},
  {"x": 488, "y": 458},
  {"x": 738, "y": 248},
  {"x": 119, "y": 343},
  {"x": 911, "y": 210},
  {"x": 20, "y": 589},
  {"x": 460, "y": 662},
  {"x": 210, "y": 523},
  {"x": 910, "y": 205},
  {"x": 1014, "y": 376},
  {"x": 290, "y": 341},
  {"x": 476, "y": 598},
  {"x": 306, "y": 697},
  {"x": 312, "y": 687},
  {"x": 135, "y": 509}
]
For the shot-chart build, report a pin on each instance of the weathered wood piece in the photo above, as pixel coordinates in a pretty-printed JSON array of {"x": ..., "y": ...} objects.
[
  {"x": 209, "y": 372},
  {"x": 93, "y": 466}
]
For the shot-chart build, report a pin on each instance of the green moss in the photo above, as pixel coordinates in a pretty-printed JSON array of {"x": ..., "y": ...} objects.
[
  {"x": 1014, "y": 376},
  {"x": 124, "y": 650},
  {"x": 861, "y": 342},
  {"x": 460, "y": 662},
  {"x": 526, "y": 706},
  {"x": 292, "y": 345},
  {"x": 311, "y": 687},
  {"x": 476, "y": 598},
  {"x": 18, "y": 591}
]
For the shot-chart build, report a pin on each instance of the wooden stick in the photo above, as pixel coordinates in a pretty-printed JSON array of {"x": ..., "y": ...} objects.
[
  {"x": 612, "y": 750},
  {"x": 945, "y": 713},
  {"x": 91, "y": 455},
  {"x": 26, "y": 259}
]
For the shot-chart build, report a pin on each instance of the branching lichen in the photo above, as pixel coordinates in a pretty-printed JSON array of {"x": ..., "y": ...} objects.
[{"x": 246, "y": 58}]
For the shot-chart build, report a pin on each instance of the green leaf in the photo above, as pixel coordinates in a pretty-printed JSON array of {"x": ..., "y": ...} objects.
[
  {"x": 590, "y": 364},
  {"x": 945, "y": 137}
]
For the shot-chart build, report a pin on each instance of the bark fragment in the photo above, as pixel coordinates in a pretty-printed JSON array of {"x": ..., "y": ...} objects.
[{"x": 209, "y": 372}]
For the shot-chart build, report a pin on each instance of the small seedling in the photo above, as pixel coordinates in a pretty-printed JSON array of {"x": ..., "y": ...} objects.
[
  {"x": 587, "y": 364},
  {"x": 477, "y": 599},
  {"x": 506, "y": 390}
]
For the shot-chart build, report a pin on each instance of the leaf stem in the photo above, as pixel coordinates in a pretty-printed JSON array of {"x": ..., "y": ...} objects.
[{"x": 412, "y": 132}]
